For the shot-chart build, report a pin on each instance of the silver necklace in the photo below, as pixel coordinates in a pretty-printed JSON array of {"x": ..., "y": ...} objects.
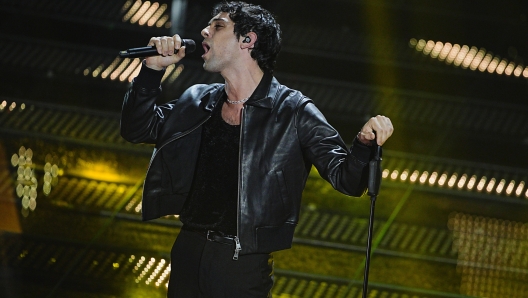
[{"x": 234, "y": 102}]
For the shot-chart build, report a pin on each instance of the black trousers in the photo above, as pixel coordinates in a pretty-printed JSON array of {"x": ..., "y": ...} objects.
[{"x": 206, "y": 269}]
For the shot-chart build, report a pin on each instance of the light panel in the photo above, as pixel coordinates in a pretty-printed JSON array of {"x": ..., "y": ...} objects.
[
  {"x": 468, "y": 57},
  {"x": 123, "y": 70},
  {"x": 145, "y": 13},
  {"x": 459, "y": 181},
  {"x": 492, "y": 255}
]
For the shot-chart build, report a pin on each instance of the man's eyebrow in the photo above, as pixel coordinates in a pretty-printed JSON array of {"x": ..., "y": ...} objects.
[{"x": 216, "y": 20}]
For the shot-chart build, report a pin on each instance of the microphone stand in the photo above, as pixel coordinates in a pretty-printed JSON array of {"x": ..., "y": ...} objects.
[{"x": 374, "y": 183}]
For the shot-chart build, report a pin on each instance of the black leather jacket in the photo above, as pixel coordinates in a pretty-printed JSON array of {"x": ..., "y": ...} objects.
[{"x": 282, "y": 135}]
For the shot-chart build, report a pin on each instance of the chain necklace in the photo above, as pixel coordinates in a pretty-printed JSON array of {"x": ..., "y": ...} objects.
[{"x": 234, "y": 102}]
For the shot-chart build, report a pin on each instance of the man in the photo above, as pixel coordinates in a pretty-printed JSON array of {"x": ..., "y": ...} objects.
[{"x": 232, "y": 159}]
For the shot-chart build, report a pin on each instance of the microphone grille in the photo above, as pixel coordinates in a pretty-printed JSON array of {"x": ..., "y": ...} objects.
[{"x": 189, "y": 44}]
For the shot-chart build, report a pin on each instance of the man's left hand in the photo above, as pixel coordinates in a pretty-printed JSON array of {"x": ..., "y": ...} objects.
[{"x": 381, "y": 125}]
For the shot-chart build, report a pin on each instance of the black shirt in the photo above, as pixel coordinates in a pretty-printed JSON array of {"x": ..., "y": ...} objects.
[
  {"x": 213, "y": 199},
  {"x": 212, "y": 203}
]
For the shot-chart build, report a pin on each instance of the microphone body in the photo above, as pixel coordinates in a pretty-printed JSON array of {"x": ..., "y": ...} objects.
[
  {"x": 148, "y": 51},
  {"x": 374, "y": 179}
]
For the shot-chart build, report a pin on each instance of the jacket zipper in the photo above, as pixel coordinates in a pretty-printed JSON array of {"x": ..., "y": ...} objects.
[
  {"x": 183, "y": 134},
  {"x": 238, "y": 247},
  {"x": 189, "y": 130},
  {"x": 178, "y": 137}
]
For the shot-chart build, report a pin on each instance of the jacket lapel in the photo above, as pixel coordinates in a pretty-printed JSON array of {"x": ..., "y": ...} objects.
[
  {"x": 210, "y": 99},
  {"x": 266, "y": 90}
]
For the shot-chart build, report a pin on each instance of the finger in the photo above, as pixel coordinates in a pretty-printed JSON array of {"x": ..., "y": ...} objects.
[
  {"x": 181, "y": 52},
  {"x": 152, "y": 41},
  {"x": 155, "y": 41},
  {"x": 170, "y": 46},
  {"x": 389, "y": 128},
  {"x": 385, "y": 129},
  {"x": 369, "y": 135},
  {"x": 371, "y": 128},
  {"x": 177, "y": 41},
  {"x": 380, "y": 130},
  {"x": 379, "y": 126},
  {"x": 164, "y": 46}
]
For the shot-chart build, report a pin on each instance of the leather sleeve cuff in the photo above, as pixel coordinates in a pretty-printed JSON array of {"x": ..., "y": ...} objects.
[
  {"x": 149, "y": 78},
  {"x": 361, "y": 151}
]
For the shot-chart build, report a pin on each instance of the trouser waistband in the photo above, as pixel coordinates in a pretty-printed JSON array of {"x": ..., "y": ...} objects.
[{"x": 212, "y": 235}]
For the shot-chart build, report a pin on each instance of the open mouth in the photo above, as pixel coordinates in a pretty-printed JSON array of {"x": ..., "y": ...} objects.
[{"x": 206, "y": 47}]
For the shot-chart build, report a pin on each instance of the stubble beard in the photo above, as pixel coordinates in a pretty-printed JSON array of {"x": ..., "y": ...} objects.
[{"x": 212, "y": 66}]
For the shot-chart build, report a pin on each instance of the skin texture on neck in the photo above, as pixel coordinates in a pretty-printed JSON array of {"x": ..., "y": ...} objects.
[
  {"x": 231, "y": 57},
  {"x": 239, "y": 84}
]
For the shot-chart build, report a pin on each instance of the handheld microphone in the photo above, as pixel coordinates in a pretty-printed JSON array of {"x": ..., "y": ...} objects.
[
  {"x": 374, "y": 179},
  {"x": 189, "y": 44}
]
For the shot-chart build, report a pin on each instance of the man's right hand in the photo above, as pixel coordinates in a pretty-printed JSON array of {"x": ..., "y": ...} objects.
[{"x": 166, "y": 46}]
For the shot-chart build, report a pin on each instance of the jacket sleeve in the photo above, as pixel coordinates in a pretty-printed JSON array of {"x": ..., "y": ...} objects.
[
  {"x": 141, "y": 118},
  {"x": 346, "y": 169}
]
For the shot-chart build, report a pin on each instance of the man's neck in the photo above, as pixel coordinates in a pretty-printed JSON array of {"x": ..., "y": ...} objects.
[{"x": 240, "y": 84}]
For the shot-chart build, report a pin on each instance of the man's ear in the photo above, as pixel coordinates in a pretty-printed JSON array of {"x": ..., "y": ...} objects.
[{"x": 248, "y": 41}]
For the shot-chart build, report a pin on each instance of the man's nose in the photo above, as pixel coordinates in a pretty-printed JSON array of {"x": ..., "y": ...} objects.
[{"x": 205, "y": 32}]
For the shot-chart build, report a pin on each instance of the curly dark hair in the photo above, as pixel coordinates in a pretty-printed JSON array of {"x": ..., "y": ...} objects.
[{"x": 254, "y": 18}]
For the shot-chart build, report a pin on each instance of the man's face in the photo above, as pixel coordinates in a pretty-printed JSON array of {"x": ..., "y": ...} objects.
[{"x": 220, "y": 43}]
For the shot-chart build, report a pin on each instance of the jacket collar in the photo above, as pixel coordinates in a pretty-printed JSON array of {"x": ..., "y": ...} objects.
[
  {"x": 261, "y": 97},
  {"x": 213, "y": 97},
  {"x": 263, "y": 94}
]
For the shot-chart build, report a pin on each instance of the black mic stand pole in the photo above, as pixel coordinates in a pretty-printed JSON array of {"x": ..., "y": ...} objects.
[{"x": 374, "y": 182}]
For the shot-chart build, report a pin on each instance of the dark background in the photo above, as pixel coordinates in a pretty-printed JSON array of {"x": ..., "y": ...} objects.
[{"x": 355, "y": 59}]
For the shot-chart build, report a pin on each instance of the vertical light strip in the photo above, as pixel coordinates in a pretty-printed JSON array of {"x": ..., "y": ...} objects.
[
  {"x": 445, "y": 51},
  {"x": 176, "y": 73},
  {"x": 98, "y": 70},
  {"x": 131, "y": 67},
  {"x": 501, "y": 67},
  {"x": 132, "y": 10},
  {"x": 491, "y": 185},
  {"x": 157, "y": 15},
  {"x": 119, "y": 69},
  {"x": 414, "y": 176},
  {"x": 478, "y": 59},
  {"x": 162, "y": 21},
  {"x": 423, "y": 177},
  {"x": 442, "y": 179},
  {"x": 169, "y": 70},
  {"x": 149, "y": 13},
  {"x": 432, "y": 178},
  {"x": 110, "y": 68},
  {"x": 518, "y": 71},
  {"x": 485, "y": 62},
  {"x": 462, "y": 181},
  {"x": 519, "y": 190},
  {"x": 471, "y": 182},
  {"x": 404, "y": 175},
  {"x": 134, "y": 73},
  {"x": 126, "y": 6},
  {"x": 461, "y": 55},
  {"x": 394, "y": 174},
  {"x": 510, "y": 187},
  {"x": 453, "y": 54},
  {"x": 140, "y": 12}
]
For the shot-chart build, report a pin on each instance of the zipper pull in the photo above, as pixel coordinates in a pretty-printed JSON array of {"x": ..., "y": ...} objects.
[{"x": 238, "y": 248}]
